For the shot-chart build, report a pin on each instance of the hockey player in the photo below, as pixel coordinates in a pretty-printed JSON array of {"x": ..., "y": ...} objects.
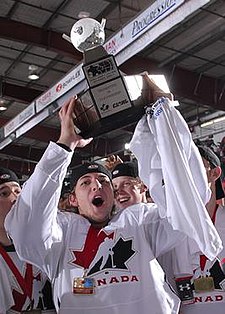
[
  {"x": 128, "y": 187},
  {"x": 209, "y": 277},
  {"x": 22, "y": 286}
]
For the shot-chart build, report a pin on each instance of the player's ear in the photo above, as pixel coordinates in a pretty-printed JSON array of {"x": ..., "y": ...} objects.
[
  {"x": 73, "y": 200},
  {"x": 143, "y": 187},
  {"x": 215, "y": 173}
]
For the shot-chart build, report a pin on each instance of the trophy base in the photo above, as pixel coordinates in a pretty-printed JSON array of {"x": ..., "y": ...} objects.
[
  {"x": 114, "y": 105},
  {"x": 117, "y": 121}
]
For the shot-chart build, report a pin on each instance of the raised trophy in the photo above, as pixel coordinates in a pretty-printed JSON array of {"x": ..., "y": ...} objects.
[{"x": 111, "y": 100}]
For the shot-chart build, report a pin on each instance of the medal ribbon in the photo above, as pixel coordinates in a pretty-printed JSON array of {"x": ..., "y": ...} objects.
[{"x": 25, "y": 283}]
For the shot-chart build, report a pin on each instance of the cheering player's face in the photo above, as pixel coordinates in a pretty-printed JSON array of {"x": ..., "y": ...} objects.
[
  {"x": 128, "y": 191},
  {"x": 93, "y": 196}
]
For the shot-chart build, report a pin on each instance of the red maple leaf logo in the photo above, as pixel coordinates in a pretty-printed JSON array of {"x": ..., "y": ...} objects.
[{"x": 94, "y": 238}]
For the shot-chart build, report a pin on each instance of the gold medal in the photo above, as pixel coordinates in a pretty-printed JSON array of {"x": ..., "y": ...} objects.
[
  {"x": 204, "y": 284},
  {"x": 83, "y": 286}
]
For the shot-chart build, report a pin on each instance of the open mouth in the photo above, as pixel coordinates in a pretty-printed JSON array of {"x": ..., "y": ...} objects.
[
  {"x": 123, "y": 200},
  {"x": 97, "y": 201}
]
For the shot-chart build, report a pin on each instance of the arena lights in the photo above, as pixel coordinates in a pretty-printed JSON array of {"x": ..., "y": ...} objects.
[
  {"x": 213, "y": 121},
  {"x": 33, "y": 72}
]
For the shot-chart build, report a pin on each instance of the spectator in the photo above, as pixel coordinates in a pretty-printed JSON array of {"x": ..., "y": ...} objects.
[
  {"x": 109, "y": 260},
  {"x": 22, "y": 286}
]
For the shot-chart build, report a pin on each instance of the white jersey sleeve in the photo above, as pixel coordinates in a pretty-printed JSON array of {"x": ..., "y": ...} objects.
[
  {"x": 36, "y": 215},
  {"x": 170, "y": 164}
]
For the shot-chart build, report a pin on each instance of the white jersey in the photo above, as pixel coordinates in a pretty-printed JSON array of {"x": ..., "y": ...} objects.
[
  {"x": 211, "y": 301},
  {"x": 68, "y": 248},
  {"x": 119, "y": 257},
  {"x": 13, "y": 298}
]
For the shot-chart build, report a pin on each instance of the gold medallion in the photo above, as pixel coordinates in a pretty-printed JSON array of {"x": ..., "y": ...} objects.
[
  {"x": 204, "y": 284},
  {"x": 83, "y": 286}
]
